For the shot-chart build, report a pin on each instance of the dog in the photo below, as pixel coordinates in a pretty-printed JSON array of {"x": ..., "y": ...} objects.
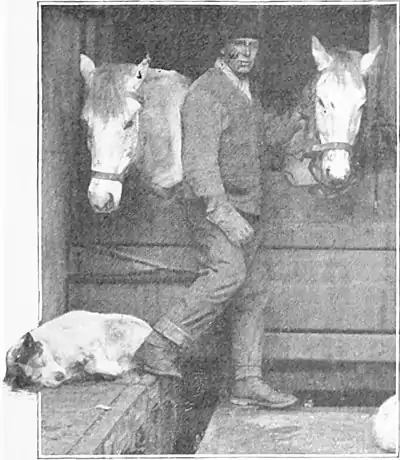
[
  {"x": 385, "y": 424},
  {"x": 73, "y": 346}
]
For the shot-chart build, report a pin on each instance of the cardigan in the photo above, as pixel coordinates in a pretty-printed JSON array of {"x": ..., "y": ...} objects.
[{"x": 223, "y": 140}]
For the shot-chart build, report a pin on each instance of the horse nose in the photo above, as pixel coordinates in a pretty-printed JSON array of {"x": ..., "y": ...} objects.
[
  {"x": 59, "y": 376},
  {"x": 107, "y": 206},
  {"x": 338, "y": 179}
]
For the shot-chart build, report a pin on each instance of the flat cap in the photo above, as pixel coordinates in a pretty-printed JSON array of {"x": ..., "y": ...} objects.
[{"x": 239, "y": 23}]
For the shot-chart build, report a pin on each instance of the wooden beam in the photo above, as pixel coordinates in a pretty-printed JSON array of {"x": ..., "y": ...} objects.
[
  {"x": 60, "y": 124},
  {"x": 331, "y": 347}
]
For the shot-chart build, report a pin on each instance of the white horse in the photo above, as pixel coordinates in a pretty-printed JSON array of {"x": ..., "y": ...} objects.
[
  {"x": 321, "y": 154},
  {"x": 133, "y": 118}
]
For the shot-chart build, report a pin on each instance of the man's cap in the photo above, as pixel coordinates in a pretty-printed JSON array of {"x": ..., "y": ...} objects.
[{"x": 239, "y": 23}]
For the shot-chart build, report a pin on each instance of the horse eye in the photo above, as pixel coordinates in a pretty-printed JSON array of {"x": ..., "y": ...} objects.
[
  {"x": 320, "y": 102},
  {"x": 128, "y": 124},
  {"x": 139, "y": 75}
]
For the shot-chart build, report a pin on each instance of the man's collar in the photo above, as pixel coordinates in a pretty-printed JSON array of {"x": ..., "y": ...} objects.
[{"x": 241, "y": 84}]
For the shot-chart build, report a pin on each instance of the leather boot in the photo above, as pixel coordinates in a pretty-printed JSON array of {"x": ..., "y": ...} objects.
[
  {"x": 252, "y": 391},
  {"x": 158, "y": 355}
]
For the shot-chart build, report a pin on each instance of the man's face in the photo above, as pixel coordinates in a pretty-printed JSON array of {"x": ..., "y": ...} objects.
[{"x": 240, "y": 55}]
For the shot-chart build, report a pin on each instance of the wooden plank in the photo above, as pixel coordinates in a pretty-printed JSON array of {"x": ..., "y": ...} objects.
[
  {"x": 86, "y": 260},
  {"x": 331, "y": 347},
  {"x": 302, "y": 345},
  {"x": 287, "y": 205},
  {"x": 135, "y": 417},
  {"x": 361, "y": 234},
  {"x": 331, "y": 376},
  {"x": 327, "y": 266},
  {"x": 331, "y": 308},
  {"x": 60, "y": 124},
  {"x": 302, "y": 289},
  {"x": 332, "y": 290}
]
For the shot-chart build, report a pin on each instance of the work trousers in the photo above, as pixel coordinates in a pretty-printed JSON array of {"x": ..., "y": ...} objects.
[{"x": 230, "y": 280}]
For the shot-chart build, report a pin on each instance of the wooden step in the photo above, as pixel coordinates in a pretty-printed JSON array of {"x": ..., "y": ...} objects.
[{"x": 109, "y": 418}]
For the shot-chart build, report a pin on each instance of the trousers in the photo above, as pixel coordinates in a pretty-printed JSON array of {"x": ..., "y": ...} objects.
[{"x": 229, "y": 281}]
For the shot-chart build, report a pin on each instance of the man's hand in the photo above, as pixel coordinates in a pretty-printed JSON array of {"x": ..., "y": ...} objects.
[
  {"x": 280, "y": 129},
  {"x": 221, "y": 213}
]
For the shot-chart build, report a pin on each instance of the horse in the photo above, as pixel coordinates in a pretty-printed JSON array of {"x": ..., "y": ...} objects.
[
  {"x": 321, "y": 154},
  {"x": 132, "y": 114}
]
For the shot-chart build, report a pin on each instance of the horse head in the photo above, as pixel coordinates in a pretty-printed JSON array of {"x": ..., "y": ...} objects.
[
  {"x": 111, "y": 112},
  {"x": 334, "y": 101}
]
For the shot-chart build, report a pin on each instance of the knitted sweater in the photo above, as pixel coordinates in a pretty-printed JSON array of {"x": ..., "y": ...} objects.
[{"x": 222, "y": 142}]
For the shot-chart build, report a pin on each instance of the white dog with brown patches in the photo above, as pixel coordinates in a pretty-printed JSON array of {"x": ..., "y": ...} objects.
[{"x": 75, "y": 345}]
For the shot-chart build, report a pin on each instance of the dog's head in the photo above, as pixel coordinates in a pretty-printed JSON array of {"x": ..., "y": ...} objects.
[{"x": 29, "y": 365}]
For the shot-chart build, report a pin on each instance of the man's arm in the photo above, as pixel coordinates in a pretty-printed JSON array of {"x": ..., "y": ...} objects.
[
  {"x": 202, "y": 120},
  {"x": 203, "y": 123}
]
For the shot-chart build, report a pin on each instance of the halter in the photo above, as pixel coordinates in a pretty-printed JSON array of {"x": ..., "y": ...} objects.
[
  {"x": 315, "y": 152},
  {"x": 116, "y": 177},
  {"x": 328, "y": 188}
]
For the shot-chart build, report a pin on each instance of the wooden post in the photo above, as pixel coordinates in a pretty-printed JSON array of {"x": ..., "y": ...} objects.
[
  {"x": 60, "y": 112},
  {"x": 373, "y": 82}
]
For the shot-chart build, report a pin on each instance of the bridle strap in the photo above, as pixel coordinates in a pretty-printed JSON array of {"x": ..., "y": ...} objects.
[
  {"x": 333, "y": 146},
  {"x": 331, "y": 190},
  {"x": 115, "y": 177}
]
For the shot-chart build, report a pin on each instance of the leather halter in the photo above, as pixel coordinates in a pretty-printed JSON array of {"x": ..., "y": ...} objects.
[
  {"x": 317, "y": 150},
  {"x": 331, "y": 189},
  {"x": 116, "y": 177}
]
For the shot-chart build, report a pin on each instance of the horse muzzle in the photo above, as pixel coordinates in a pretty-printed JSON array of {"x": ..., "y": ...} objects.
[
  {"x": 104, "y": 195},
  {"x": 103, "y": 204},
  {"x": 333, "y": 166}
]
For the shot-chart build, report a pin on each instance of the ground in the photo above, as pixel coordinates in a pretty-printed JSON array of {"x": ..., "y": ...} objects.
[{"x": 321, "y": 431}]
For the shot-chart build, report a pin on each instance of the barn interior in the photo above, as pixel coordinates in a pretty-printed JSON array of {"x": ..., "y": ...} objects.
[{"x": 331, "y": 318}]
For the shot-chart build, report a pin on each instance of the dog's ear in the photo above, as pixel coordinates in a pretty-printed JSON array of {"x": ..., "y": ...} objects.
[
  {"x": 28, "y": 341},
  {"x": 29, "y": 348}
]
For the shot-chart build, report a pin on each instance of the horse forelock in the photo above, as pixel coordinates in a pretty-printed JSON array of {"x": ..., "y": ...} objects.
[
  {"x": 106, "y": 98},
  {"x": 346, "y": 63}
]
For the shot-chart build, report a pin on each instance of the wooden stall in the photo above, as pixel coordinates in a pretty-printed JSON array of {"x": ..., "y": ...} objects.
[{"x": 329, "y": 266}]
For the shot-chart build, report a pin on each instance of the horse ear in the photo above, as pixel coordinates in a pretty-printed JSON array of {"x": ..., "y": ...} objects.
[
  {"x": 321, "y": 57},
  {"x": 139, "y": 73},
  {"x": 87, "y": 68},
  {"x": 368, "y": 59}
]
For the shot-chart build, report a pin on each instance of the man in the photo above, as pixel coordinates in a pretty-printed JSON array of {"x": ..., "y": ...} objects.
[{"x": 223, "y": 133}]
